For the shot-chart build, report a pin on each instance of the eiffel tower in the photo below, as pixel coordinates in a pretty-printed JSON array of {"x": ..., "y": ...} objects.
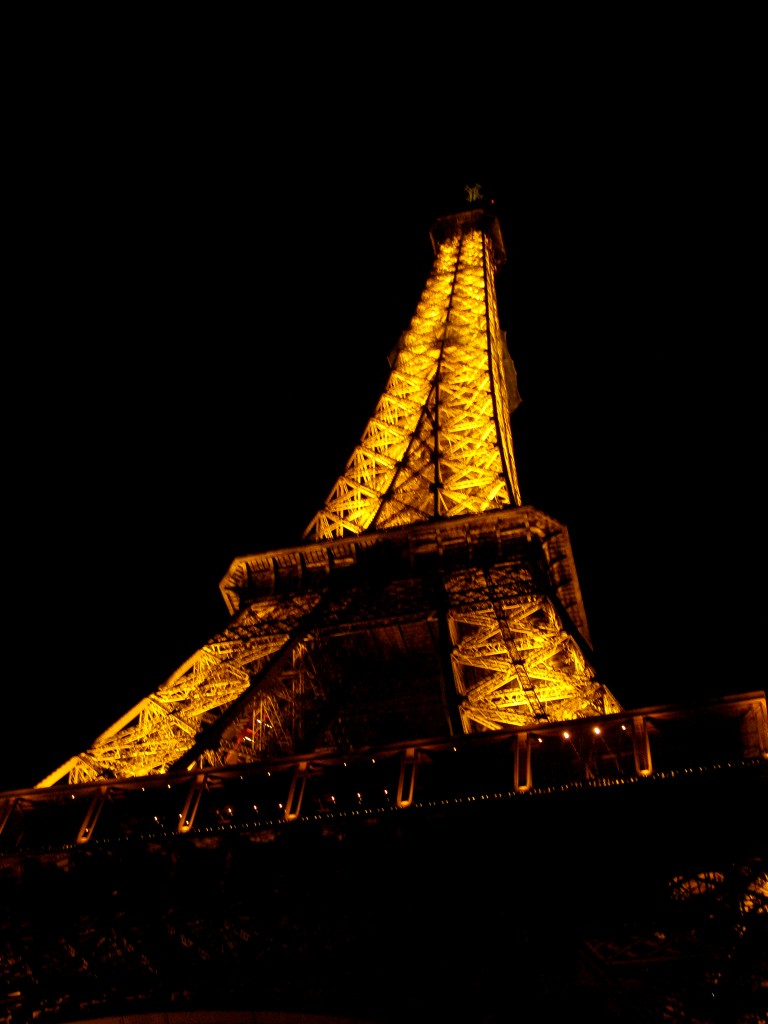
[
  {"x": 413, "y": 685},
  {"x": 426, "y": 598}
]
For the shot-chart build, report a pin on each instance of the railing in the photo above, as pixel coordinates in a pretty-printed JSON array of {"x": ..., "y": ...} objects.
[{"x": 505, "y": 764}]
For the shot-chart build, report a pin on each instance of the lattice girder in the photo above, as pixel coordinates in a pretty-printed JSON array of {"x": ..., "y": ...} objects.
[
  {"x": 272, "y": 722},
  {"x": 155, "y": 734},
  {"x": 514, "y": 663},
  {"x": 448, "y": 397}
]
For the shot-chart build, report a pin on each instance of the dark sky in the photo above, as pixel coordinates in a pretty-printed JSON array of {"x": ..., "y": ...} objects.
[{"x": 207, "y": 305}]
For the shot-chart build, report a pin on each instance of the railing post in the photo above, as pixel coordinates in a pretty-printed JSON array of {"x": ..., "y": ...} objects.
[
  {"x": 187, "y": 817},
  {"x": 296, "y": 792},
  {"x": 522, "y": 777},
  {"x": 6, "y": 810},
  {"x": 407, "y": 778},
  {"x": 641, "y": 745},
  {"x": 760, "y": 719},
  {"x": 92, "y": 815}
]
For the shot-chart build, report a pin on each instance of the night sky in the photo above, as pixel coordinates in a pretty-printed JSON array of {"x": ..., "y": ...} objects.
[{"x": 207, "y": 315}]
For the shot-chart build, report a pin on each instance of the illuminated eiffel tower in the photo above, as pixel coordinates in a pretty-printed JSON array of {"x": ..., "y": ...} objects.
[
  {"x": 425, "y": 600},
  {"x": 393, "y": 789}
]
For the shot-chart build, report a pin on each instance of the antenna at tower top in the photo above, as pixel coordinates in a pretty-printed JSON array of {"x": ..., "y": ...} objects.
[{"x": 474, "y": 192}]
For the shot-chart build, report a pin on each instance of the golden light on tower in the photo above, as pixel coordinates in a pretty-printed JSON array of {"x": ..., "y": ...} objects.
[
  {"x": 439, "y": 443},
  {"x": 425, "y": 598}
]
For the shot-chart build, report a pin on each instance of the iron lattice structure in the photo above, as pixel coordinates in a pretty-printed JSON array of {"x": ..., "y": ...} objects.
[
  {"x": 439, "y": 443},
  {"x": 425, "y": 599}
]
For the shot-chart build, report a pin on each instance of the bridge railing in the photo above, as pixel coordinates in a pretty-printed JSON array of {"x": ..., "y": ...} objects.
[{"x": 514, "y": 762}]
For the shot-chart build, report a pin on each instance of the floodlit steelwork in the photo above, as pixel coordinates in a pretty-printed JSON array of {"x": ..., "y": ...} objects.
[
  {"x": 671, "y": 745},
  {"x": 439, "y": 442},
  {"x": 425, "y": 599},
  {"x": 403, "y": 703}
]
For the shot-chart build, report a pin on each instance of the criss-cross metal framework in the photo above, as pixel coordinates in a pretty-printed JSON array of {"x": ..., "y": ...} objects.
[
  {"x": 439, "y": 442},
  {"x": 425, "y": 598}
]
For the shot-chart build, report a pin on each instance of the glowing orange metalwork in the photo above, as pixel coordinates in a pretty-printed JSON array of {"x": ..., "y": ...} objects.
[{"x": 435, "y": 460}]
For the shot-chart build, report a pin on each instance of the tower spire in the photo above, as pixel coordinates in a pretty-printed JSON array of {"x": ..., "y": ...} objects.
[{"x": 439, "y": 443}]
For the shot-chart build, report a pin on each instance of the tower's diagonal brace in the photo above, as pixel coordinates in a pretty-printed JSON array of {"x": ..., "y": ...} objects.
[
  {"x": 210, "y": 737},
  {"x": 515, "y": 657}
]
